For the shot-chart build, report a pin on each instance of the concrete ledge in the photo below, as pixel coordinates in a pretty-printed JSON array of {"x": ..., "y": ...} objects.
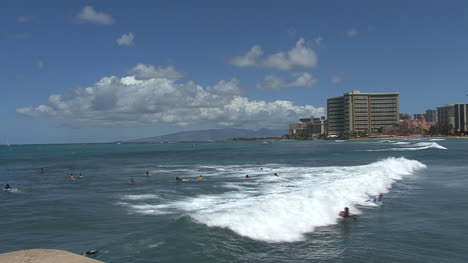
[{"x": 44, "y": 256}]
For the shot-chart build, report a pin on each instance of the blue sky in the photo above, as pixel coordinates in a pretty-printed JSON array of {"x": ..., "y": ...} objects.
[{"x": 97, "y": 71}]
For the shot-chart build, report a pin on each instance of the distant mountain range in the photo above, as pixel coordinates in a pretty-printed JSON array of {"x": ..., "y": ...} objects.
[{"x": 212, "y": 135}]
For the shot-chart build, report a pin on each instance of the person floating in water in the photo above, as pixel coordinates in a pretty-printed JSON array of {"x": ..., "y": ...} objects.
[
  {"x": 147, "y": 173},
  {"x": 346, "y": 214},
  {"x": 247, "y": 176},
  {"x": 133, "y": 181},
  {"x": 181, "y": 180},
  {"x": 7, "y": 187}
]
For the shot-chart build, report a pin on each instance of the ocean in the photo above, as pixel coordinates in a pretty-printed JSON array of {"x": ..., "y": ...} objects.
[{"x": 226, "y": 217}]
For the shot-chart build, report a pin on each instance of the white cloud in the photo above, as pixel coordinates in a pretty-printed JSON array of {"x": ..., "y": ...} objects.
[
  {"x": 24, "y": 19},
  {"x": 143, "y": 72},
  {"x": 352, "y": 32},
  {"x": 89, "y": 15},
  {"x": 304, "y": 80},
  {"x": 298, "y": 56},
  {"x": 40, "y": 64},
  {"x": 125, "y": 39},
  {"x": 250, "y": 59},
  {"x": 336, "y": 79},
  {"x": 160, "y": 100}
]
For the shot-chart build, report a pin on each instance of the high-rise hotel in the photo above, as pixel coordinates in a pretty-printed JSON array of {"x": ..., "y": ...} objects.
[{"x": 361, "y": 112}]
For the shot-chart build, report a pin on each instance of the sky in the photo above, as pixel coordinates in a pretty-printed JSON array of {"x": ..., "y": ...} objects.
[{"x": 100, "y": 71}]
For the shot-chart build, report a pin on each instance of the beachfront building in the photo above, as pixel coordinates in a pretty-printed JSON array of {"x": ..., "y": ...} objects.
[
  {"x": 358, "y": 112},
  {"x": 417, "y": 126},
  {"x": 335, "y": 114},
  {"x": 405, "y": 116},
  {"x": 461, "y": 119},
  {"x": 308, "y": 127},
  {"x": 431, "y": 116},
  {"x": 419, "y": 116},
  {"x": 446, "y": 115}
]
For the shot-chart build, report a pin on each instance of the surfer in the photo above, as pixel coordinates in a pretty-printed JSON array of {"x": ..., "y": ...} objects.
[
  {"x": 7, "y": 187},
  {"x": 275, "y": 174},
  {"x": 43, "y": 170},
  {"x": 72, "y": 177},
  {"x": 133, "y": 181},
  {"x": 247, "y": 176},
  {"x": 378, "y": 199},
  {"x": 147, "y": 173},
  {"x": 200, "y": 177},
  {"x": 346, "y": 214}
]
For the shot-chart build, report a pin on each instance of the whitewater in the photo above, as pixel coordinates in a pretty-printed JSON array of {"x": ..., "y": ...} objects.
[{"x": 284, "y": 208}]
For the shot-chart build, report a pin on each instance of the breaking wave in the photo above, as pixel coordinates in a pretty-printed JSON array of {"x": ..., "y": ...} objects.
[
  {"x": 285, "y": 208},
  {"x": 407, "y": 146}
]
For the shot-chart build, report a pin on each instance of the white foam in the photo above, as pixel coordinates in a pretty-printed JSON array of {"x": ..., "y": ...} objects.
[
  {"x": 287, "y": 209},
  {"x": 413, "y": 147},
  {"x": 401, "y": 143},
  {"x": 140, "y": 197},
  {"x": 422, "y": 146},
  {"x": 284, "y": 208}
]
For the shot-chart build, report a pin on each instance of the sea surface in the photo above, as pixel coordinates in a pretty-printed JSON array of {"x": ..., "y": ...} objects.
[{"x": 228, "y": 218}]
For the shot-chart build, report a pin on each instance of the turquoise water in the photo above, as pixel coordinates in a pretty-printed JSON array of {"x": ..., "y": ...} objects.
[{"x": 228, "y": 218}]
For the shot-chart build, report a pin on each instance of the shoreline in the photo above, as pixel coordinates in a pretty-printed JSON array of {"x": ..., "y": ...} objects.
[{"x": 381, "y": 137}]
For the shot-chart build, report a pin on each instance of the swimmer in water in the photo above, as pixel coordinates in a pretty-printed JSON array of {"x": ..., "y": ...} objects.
[
  {"x": 200, "y": 177},
  {"x": 133, "y": 181},
  {"x": 275, "y": 174},
  {"x": 147, "y": 173},
  {"x": 346, "y": 214},
  {"x": 247, "y": 176},
  {"x": 181, "y": 180}
]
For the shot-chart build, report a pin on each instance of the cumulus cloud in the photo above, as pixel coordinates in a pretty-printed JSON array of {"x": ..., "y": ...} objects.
[
  {"x": 250, "y": 59},
  {"x": 160, "y": 99},
  {"x": 89, "y": 15},
  {"x": 125, "y": 39},
  {"x": 304, "y": 80},
  {"x": 336, "y": 79},
  {"x": 143, "y": 72},
  {"x": 298, "y": 56},
  {"x": 352, "y": 32}
]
